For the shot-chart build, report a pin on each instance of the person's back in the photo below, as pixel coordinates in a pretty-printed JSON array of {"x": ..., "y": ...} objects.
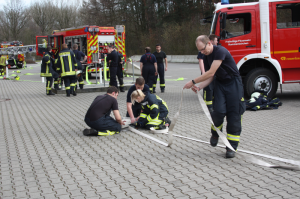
[
  {"x": 148, "y": 66},
  {"x": 98, "y": 115}
]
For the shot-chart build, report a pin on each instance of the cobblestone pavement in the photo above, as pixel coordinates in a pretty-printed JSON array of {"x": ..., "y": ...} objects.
[{"x": 45, "y": 155}]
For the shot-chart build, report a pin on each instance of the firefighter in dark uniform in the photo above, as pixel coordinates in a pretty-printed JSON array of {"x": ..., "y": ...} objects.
[
  {"x": 79, "y": 55},
  {"x": 112, "y": 56},
  {"x": 47, "y": 70},
  {"x": 56, "y": 69},
  {"x": 155, "y": 110},
  {"x": 160, "y": 57},
  {"x": 208, "y": 90},
  {"x": 228, "y": 91},
  {"x": 120, "y": 70},
  {"x": 148, "y": 66},
  {"x": 67, "y": 65}
]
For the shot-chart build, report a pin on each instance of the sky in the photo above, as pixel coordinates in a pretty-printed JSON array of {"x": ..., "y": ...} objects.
[{"x": 27, "y": 2}]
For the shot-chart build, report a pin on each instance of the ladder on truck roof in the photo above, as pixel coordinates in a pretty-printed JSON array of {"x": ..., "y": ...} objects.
[{"x": 14, "y": 50}]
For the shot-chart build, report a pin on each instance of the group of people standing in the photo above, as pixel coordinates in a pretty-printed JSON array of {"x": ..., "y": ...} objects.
[{"x": 65, "y": 65}]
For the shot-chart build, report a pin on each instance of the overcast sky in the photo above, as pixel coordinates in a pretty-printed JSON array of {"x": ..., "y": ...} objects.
[{"x": 28, "y": 2}]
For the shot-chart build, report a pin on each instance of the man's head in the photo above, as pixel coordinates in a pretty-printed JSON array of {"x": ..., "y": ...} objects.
[
  {"x": 158, "y": 47},
  {"x": 139, "y": 83},
  {"x": 113, "y": 91},
  {"x": 115, "y": 48},
  {"x": 64, "y": 46},
  {"x": 147, "y": 49},
  {"x": 49, "y": 49},
  {"x": 110, "y": 48},
  {"x": 213, "y": 39},
  {"x": 204, "y": 45},
  {"x": 75, "y": 47}
]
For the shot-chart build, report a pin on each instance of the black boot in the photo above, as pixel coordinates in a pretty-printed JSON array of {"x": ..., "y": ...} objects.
[
  {"x": 50, "y": 93},
  {"x": 90, "y": 132},
  {"x": 230, "y": 153},
  {"x": 81, "y": 86},
  {"x": 162, "y": 90},
  {"x": 154, "y": 90},
  {"x": 56, "y": 87},
  {"x": 68, "y": 93},
  {"x": 121, "y": 82}
]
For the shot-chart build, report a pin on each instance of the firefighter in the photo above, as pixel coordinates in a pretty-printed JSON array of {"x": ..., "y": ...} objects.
[
  {"x": 67, "y": 67},
  {"x": 47, "y": 70},
  {"x": 160, "y": 57},
  {"x": 3, "y": 65},
  {"x": 148, "y": 66},
  {"x": 79, "y": 55},
  {"x": 133, "y": 111},
  {"x": 155, "y": 110},
  {"x": 98, "y": 115},
  {"x": 120, "y": 70},
  {"x": 112, "y": 56},
  {"x": 228, "y": 91},
  {"x": 208, "y": 90}
]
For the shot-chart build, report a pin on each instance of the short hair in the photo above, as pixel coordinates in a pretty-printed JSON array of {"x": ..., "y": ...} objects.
[
  {"x": 49, "y": 48},
  {"x": 135, "y": 94},
  {"x": 148, "y": 49},
  {"x": 75, "y": 46},
  {"x": 140, "y": 81},
  {"x": 157, "y": 45},
  {"x": 111, "y": 46},
  {"x": 203, "y": 38},
  {"x": 64, "y": 46},
  {"x": 212, "y": 37},
  {"x": 112, "y": 89}
]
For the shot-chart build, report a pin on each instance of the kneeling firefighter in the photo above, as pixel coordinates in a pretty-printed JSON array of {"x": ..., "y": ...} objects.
[
  {"x": 47, "y": 70},
  {"x": 154, "y": 110}
]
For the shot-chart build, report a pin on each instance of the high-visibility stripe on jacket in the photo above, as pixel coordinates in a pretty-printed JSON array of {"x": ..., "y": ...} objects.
[{"x": 67, "y": 63}]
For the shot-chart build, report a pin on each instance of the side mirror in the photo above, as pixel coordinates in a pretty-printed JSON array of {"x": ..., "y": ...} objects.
[{"x": 224, "y": 16}]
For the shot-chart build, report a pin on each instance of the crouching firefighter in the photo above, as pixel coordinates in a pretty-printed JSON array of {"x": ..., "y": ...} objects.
[
  {"x": 98, "y": 115},
  {"x": 154, "y": 111},
  {"x": 67, "y": 67},
  {"x": 47, "y": 70}
]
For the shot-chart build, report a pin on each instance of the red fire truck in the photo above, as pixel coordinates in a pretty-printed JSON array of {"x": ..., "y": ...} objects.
[
  {"x": 264, "y": 39},
  {"x": 90, "y": 40}
]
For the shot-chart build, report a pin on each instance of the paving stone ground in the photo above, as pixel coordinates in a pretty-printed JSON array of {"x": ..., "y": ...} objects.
[{"x": 45, "y": 155}]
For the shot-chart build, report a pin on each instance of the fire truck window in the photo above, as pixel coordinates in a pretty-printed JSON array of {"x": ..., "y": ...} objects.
[
  {"x": 287, "y": 15},
  {"x": 238, "y": 24}
]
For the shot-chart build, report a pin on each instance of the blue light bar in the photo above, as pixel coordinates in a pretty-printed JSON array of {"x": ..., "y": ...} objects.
[{"x": 224, "y": 2}]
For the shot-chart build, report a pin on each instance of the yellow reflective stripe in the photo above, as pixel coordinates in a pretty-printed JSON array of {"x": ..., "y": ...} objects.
[
  {"x": 233, "y": 137},
  {"x": 108, "y": 132},
  {"x": 258, "y": 107},
  {"x": 48, "y": 89},
  {"x": 72, "y": 84},
  {"x": 219, "y": 127},
  {"x": 55, "y": 82},
  {"x": 46, "y": 75},
  {"x": 154, "y": 85},
  {"x": 81, "y": 82},
  {"x": 143, "y": 115},
  {"x": 162, "y": 85},
  {"x": 67, "y": 88},
  {"x": 154, "y": 106},
  {"x": 208, "y": 102}
]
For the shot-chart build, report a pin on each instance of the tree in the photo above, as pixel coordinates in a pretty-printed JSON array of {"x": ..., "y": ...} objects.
[
  {"x": 15, "y": 16},
  {"x": 44, "y": 15}
]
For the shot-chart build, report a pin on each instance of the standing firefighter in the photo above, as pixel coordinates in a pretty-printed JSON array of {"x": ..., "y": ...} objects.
[
  {"x": 120, "y": 70},
  {"x": 3, "y": 65},
  {"x": 148, "y": 68},
  {"x": 155, "y": 110},
  {"x": 228, "y": 91},
  {"x": 47, "y": 70},
  {"x": 67, "y": 67},
  {"x": 112, "y": 56},
  {"x": 160, "y": 57},
  {"x": 79, "y": 55}
]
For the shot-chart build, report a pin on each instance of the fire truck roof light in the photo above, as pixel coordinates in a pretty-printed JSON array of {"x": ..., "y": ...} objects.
[{"x": 224, "y": 2}]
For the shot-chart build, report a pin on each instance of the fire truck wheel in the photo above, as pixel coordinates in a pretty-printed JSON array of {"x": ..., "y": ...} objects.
[{"x": 260, "y": 79}]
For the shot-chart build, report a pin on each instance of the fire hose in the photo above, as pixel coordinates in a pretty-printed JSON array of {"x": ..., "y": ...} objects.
[{"x": 223, "y": 138}]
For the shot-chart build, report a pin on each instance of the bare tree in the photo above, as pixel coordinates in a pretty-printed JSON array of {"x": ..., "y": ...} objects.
[
  {"x": 44, "y": 15},
  {"x": 67, "y": 15},
  {"x": 15, "y": 16}
]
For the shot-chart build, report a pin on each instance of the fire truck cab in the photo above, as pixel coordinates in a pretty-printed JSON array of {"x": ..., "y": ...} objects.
[
  {"x": 264, "y": 39},
  {"x": 90, "y": 40}
]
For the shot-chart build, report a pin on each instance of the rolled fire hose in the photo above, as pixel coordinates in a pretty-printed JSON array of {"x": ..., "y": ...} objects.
[{"x": 223, "y": 138}]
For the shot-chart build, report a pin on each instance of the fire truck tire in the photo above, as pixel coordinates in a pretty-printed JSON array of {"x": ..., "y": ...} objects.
[{"x": 260, "y": 79}]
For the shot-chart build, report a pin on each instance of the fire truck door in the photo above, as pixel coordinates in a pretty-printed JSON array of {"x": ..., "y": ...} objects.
[
  {"x": 286, "y": 38},
  {"x": 41, "y": 45},
  {"x": 240, "y": 33}
]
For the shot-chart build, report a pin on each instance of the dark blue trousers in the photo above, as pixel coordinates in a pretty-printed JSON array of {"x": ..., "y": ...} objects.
[
  {"x": 208, "y": 94},
  {"x": 229, "y": 101},
  {"x": 113, "y": 74},
  {"x": 104, "y": 123}
]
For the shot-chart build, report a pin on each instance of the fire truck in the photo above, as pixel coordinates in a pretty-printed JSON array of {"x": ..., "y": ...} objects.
[
  {"x": 91, "y": 40},
  {"x": 264, "y": 39}
]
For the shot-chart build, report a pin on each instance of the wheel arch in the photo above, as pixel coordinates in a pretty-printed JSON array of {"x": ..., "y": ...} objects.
[{"x": 252, "y": 61}]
